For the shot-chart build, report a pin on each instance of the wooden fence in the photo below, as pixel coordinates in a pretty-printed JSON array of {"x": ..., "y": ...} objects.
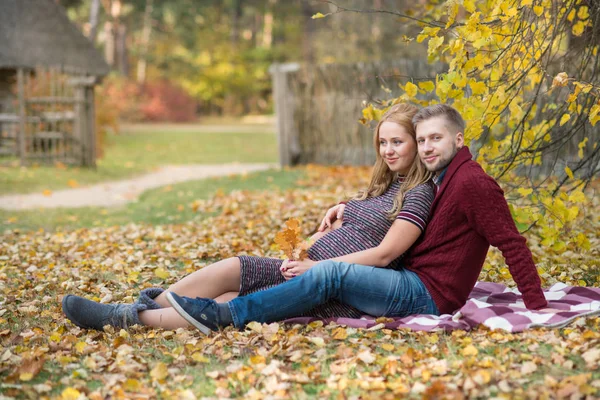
[
  {"x": 318, "y": 108},
  {"x": 49, "y": 117}
]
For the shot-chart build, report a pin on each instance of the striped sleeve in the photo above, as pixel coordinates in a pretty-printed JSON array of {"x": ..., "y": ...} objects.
[{"x": 416, "y": 205}]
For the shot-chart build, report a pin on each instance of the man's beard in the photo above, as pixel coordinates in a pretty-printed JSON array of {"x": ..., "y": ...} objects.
[{"x": 444, "y": 162}]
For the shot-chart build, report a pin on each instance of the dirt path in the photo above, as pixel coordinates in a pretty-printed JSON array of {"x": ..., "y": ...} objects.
[{"x": 108, "y": 194}]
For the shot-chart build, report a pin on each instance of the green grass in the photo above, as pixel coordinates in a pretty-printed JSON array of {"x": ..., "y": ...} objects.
[
  {"x": 142, "y": 148},
  {"x": 169, "y": 204}
]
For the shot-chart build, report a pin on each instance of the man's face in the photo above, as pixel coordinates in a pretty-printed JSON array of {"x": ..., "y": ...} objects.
[{"x": 437, "y": 146}]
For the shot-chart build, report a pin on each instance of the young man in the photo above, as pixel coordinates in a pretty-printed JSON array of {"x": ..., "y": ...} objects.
[{"x": 468, "y": 215}]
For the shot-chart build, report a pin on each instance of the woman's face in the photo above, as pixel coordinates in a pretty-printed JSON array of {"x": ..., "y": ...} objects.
[{"x": 397, "y": 147}]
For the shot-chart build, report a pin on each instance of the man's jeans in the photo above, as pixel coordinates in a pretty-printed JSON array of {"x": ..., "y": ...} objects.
[{"x": 374, "y": 291}]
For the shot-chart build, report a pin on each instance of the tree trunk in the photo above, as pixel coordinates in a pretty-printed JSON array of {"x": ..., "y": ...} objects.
[
  {"x": 145, "y": 43},
  {"x": 109, "y": 45},
  {"x": 94, "y": 11},
  {"x": 267, "y": 39},
  {"x": 122, "y": 52},
  {"x": 236, "y": 15}
]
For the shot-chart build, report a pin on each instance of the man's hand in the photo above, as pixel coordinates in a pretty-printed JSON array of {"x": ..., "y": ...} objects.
[
  {"x": 334, "y": 213},
  {"x": 291, "y": 269}
]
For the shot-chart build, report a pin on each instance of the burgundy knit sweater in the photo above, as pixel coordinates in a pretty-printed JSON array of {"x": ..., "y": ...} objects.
[{"x": 468, "y": 214}]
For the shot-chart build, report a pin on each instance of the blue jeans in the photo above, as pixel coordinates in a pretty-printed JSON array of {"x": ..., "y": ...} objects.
[{"x": 374, "y": 291}]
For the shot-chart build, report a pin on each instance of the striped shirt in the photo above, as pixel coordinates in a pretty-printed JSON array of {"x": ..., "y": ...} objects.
[{"x": 366, "y": 222}]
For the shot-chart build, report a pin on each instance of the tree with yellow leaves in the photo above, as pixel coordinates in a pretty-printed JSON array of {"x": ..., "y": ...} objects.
[{"x": 524, "y": 74}]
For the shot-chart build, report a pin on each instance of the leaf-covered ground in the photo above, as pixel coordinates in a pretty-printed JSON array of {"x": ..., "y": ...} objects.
[{"x": 43, "y": 355}]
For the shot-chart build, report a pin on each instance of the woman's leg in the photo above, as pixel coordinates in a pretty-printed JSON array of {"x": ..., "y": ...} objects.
[
  {"x": 215, "y": 280},
  {"x": 168, "y": 318}
]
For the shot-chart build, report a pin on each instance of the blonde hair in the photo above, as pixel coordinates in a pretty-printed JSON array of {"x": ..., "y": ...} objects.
[{"x": 382, "y": 177}]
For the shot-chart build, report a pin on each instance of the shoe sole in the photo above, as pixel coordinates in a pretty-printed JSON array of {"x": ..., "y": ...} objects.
[{"x": 202, "y": 328}]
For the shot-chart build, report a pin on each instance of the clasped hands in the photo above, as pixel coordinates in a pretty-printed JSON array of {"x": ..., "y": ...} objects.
[{"x": 291, "y": 269}]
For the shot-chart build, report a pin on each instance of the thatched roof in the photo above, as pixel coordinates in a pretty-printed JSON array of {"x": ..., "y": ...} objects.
[{"x": 36, "y": 33}]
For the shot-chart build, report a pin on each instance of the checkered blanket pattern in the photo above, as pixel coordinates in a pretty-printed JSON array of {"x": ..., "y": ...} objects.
[{"x": 496, "y": 307}]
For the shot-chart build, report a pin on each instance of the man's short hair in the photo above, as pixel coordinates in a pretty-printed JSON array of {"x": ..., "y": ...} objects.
[{"x": 455, "y": 120}]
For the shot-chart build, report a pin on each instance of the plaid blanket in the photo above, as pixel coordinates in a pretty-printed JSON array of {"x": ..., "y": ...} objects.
[{"x": 495, "y": 306}]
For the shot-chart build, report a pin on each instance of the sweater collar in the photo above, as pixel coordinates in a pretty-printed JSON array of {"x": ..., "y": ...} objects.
[{"x": 459, "y": 159}]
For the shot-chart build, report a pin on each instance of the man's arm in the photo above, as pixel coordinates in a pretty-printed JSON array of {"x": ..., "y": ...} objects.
[{"x": 487, "y": 212}]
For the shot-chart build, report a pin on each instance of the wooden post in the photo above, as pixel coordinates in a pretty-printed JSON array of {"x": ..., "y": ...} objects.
[
  {"x": 22, "y": 115},
  {"x": 84, "y": 124},
  {"x": 79, "y": 146},
  {"x": 91, "y": 126},
  {"x": 288, "y": 142}
]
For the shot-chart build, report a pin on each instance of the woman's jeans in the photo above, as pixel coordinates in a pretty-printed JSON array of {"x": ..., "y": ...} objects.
[{"x": 374, "y": 291}]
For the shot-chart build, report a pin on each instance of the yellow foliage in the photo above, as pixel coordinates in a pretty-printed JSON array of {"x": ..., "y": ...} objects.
[{"x": 411, "y": 89}]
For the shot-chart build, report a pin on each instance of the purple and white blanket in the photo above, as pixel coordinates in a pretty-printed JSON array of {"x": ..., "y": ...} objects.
[{"x": 497, "y": 307}]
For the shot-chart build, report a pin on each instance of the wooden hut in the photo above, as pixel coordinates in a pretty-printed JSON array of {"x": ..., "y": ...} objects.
[{"x": 48, "y": 71}]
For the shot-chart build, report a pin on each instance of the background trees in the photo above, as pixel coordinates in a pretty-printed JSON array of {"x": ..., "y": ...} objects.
[{"x": 219, "y": 51}]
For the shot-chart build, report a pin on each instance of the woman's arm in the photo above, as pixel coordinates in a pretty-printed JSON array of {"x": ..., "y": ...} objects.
[{"x": 396, "y": 242}]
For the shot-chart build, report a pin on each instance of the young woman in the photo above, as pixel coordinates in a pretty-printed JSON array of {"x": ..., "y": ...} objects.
[{"x": 380, "y": 223}]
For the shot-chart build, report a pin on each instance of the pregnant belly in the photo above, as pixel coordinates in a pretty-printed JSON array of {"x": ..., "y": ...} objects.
[{"x": 342, "y": 241}]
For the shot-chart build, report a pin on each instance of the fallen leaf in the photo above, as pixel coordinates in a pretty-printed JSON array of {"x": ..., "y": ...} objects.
[{"x": 159, "y": 372}]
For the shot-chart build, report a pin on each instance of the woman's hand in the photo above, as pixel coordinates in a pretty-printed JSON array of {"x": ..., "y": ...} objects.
[
  {"x": 334, "y": 213},
  {"x": 291, "y": 269}
]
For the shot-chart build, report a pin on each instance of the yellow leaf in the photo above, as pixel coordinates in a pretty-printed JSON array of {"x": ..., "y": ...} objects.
[
  {"x": 478, "y": 87},
  {"x": 434, "y": 44},
  {"x": 469, "y": 350},
  {"x": 578, "y": 28},
  {"x": 26, "y": 376},
  {"x": 482, "y": 377},
  {"x": 47, "y": 192},
  {"x": 80, "y": 346},
  {"x": 564, "y": 119},
  {"x": 161, "y": 273},
  {"x": 526, "y": 3},
  {"x": 159, "y": 372},
  {"x": 594, "y": 116},
  {"x": 524, "y": 192},
  {"x": 427, "y": 86},
  {"x": 411, "y": 89},
  {"x": 132, "y": 385},
  {"x": 571, "y": 15},
  {"x": 583, "y": 13},
  {"x": 319, "y": 15},
  {"x": 70, "y": 394},
  {"x": 257, "y": 360},
  {"x": 469, "y": 5},
  {"x": 198, "y": 357},
  {"x": 569, "y": 172},
  {"x": 538, "y": 10},
  {"x": 427, "y": 32},
  {"x": 388, "y": 347},
  {"x": 340, "y": 333}
]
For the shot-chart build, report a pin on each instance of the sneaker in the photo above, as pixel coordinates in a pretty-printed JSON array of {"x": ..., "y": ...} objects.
[
  {"x": 202, "y": 313},
  {"x": 88, "y": 314}
]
